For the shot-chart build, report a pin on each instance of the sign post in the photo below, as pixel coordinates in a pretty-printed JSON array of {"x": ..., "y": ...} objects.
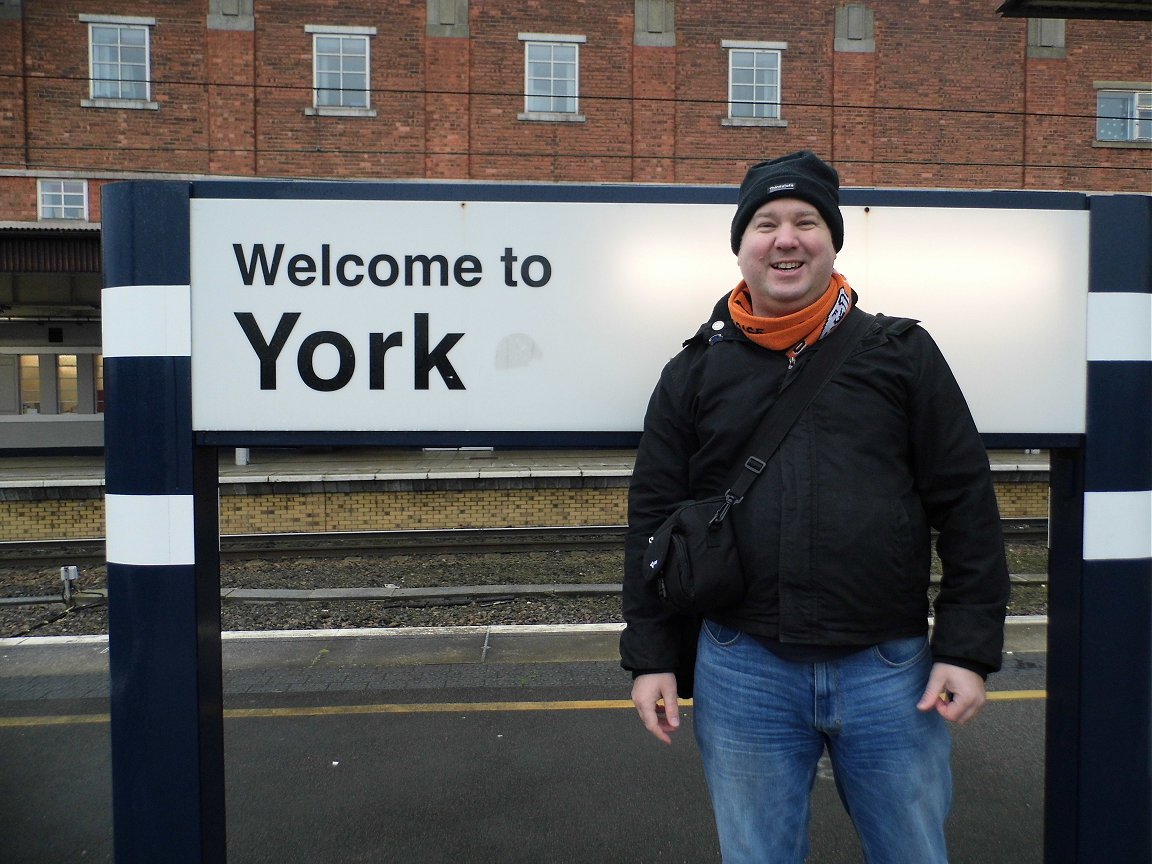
[
  {"x": 1099, "y": 741},
  {"x": 162, "y": 536}
]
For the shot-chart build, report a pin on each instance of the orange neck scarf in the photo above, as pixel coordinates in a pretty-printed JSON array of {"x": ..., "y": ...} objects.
[{"x": 796, "y": 331}]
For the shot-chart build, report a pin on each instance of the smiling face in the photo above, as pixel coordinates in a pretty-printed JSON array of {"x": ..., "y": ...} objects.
[{"x": 786, "y": 257}]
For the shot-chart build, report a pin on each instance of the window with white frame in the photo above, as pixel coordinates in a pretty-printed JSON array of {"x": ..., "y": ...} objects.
[
  {"x": 1123, "y": 115},
  {"x": 119, "y": 61},
  {"x": 341, "y": 70},
  {"x": 551, "y": 76},
  {"x": 63, "y": 199},
  {"x": 67, "y": 384},
  {"x": 754, "y": 82},
  {"x": 29, "y": 383}
]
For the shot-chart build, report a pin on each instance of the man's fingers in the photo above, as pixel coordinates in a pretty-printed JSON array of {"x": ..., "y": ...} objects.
[
  {"x": 935, "y": 693},
  {"x": 956, "y": 694},
  {"x": 648, "y": 691},
  {"x": 659, "y": 721},
  {"x": 963, "y": 707}
]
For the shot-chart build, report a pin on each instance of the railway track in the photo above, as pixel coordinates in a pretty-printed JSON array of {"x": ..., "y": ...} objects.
[{"x": 91, "y": 552}]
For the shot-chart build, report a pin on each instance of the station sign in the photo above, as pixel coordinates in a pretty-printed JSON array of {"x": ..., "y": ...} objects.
[{"x": 557, "y": 316}]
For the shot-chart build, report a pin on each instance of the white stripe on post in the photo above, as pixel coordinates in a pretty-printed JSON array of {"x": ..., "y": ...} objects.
[
  {"x": 1119, "y": 326},
  {"x": 147, "y": 321},
  {"x": 1117, "y": 525},
  {"x": 150, "y": 529}
]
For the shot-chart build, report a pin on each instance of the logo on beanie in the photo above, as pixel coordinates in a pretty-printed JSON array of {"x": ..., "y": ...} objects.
[{"x": 779, "y": 187}]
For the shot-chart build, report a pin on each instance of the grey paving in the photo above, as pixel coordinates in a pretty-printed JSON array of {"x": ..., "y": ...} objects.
[
  {"x": 336, "y": 750},
  {"x": 38, "y": 668}
]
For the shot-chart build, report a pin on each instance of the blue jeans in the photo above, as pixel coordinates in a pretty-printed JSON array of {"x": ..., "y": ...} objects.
[{"x": 762, "y": 724}]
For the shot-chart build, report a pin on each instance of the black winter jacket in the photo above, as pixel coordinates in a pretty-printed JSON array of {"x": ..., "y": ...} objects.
[{"x": 835, "y": 535}]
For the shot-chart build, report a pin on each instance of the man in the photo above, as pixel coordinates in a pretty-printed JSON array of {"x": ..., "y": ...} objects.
[{"x": 828, "y": 649}]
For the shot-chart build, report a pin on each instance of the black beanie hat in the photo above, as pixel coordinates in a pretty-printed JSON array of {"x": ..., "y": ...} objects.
[{"x": 802, "y": 175}]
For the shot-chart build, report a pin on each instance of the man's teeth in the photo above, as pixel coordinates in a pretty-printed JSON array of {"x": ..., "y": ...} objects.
[{"x": 787, "y": 265}]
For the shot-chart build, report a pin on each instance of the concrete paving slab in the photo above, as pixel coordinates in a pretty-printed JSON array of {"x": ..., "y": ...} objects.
[
  {"x": 81, "y": 655},
  {"x": 602, "y": 645},
  {"x": 389, "y": 648}
]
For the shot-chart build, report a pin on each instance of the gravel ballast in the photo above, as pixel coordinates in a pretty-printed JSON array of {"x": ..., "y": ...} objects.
[{"x": 89, "y": 615}]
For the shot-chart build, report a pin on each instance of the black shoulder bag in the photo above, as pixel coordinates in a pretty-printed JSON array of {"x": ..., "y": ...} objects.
[{"x": 693, "y": 555}]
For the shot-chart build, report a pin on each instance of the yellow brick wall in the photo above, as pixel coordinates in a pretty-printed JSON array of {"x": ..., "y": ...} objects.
[
  {"x": 1022, "y": 500},
  {"x": 383, "y": 511},
  {"x": 265, "y": 514},
  {"x": 69, "y": 519},
  {"x": 387, "y": 510}
]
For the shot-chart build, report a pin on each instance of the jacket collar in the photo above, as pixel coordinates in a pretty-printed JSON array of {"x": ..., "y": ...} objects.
[{"x": 718, "y": 327}]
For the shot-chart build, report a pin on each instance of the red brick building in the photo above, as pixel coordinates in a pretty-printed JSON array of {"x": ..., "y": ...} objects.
[{"x": 895, "y": 94}]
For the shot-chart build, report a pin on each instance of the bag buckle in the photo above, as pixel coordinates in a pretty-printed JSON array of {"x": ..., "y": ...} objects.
[
  {"x": 755, "y": 464},
  {"x": 722, "y": 513}
]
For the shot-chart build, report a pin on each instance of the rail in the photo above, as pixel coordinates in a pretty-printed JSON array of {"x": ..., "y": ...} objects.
[{"x": 426, "y": 541}]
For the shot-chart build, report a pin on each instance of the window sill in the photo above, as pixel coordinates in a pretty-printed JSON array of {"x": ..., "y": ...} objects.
[
  {"x": 132, "y": 104},
  {"x": 753, "y": 121},
  {"x": 550, "y": 117},
  {"x": 340, "y": 112},
  {"x": 1124, "y": 145}
]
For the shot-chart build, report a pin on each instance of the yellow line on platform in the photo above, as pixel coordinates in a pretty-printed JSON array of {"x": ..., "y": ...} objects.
[
  {"x": 1016, "y": 695},
  {"x": 53, "y": 720},
  {"x": 428, "y": 708},
  {"x": 339, "y": 710},
  {"x": 419, "y": 708}
]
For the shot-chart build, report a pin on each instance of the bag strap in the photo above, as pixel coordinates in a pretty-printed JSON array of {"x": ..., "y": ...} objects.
[{"x": 818, "y": 370}]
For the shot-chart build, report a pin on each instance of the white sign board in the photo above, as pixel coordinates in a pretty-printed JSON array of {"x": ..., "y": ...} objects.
[{"x": 475, "y": 316}]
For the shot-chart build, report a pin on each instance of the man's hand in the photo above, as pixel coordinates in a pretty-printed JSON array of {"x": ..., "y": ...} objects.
[
  {"x": 955, "y": 693},
  {"x": 647, "y": 692}
]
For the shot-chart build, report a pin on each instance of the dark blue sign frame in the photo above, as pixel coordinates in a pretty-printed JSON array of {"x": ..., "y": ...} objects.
[{"x": 164, "y": 637}]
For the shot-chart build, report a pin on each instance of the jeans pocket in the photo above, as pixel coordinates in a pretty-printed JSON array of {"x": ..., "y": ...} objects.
[
  {"x": 721, "y": 634},
  {"x": 902, "y": 652}
]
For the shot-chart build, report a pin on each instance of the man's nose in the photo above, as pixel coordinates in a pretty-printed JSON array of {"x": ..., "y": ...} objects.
[{"x": 786, "y": 235}]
